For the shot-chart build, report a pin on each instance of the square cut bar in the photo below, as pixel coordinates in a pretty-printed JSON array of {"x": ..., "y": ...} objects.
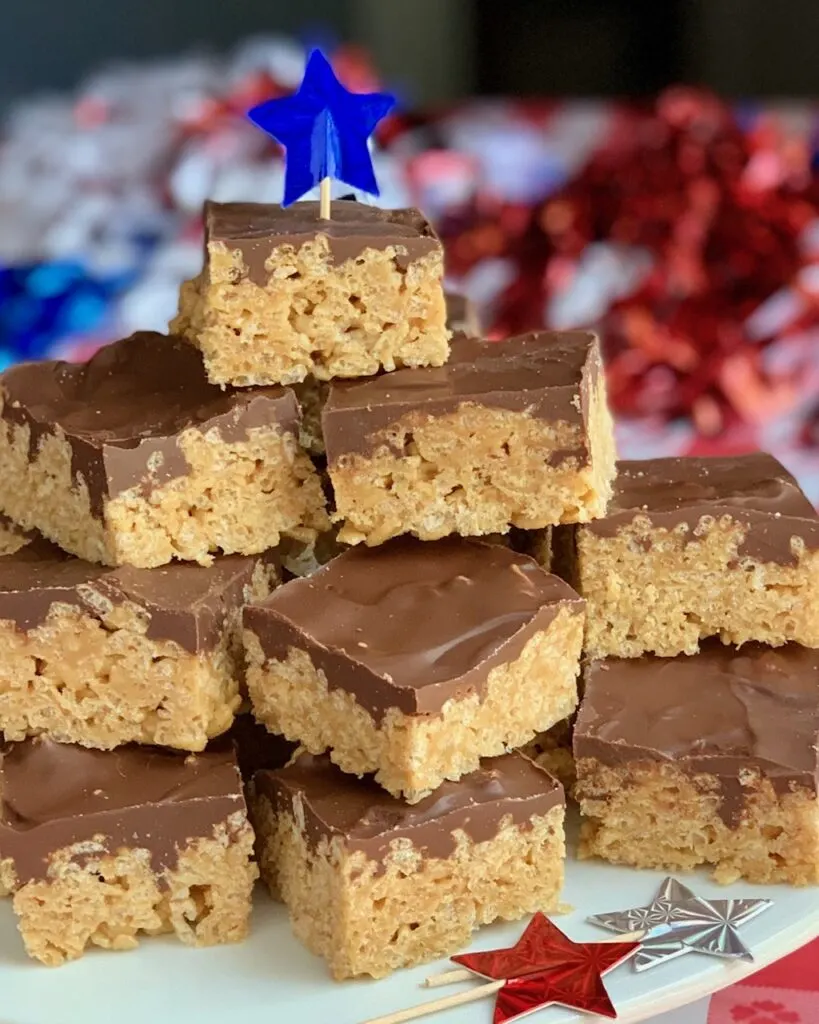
[
  {"x": 312, "y": 394},
  {"x": 99, "y": 847},
  {"x": 103, "y": 657},
  {"x": 285, "y": 294},
  {"x": 513, "y": 433},
  {"x": 373, "y": 884},
  {"x": 413, "y": 661},
  {"x": 699, "y": 547},
  {"x": 708, "y": 758},
  {"x": 134, "y": 458}
]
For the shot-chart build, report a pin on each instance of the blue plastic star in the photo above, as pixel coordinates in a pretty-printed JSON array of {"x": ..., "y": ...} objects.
[{"x": 324, "y": 129}]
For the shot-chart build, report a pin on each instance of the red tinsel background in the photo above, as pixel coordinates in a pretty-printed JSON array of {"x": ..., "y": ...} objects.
[
  {"x": 686, "y": 230},
  {"x": 720, "y": 219}
]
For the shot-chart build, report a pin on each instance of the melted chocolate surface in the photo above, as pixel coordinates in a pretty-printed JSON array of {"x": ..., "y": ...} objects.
[
  {"x": 257, "y": 229},
  {"x": 411, "y": 624},
  {"x": 755, "y": 490},
  {"x": 367, "y": 818},
  {"x": 549, "y": 375},
  {"x": 53, "y": 796},
  {"x": 721, "y": 712},
  {"x": 123, "y": 411}
]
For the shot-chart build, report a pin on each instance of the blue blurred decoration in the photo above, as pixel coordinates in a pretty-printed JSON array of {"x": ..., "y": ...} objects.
[
  {"x": 324, "y": 129},
  {"x": 42, "y": 304}
]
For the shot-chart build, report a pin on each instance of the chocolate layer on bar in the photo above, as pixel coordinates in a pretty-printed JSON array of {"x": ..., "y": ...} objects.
[
  {"x": 184, "y": 602},
  {"x": 755, "y": 490},
  {"x": 461, "y": 314},
  {"x": 258, "y": 229},
  {"x": 366, "y": 818},
  {"x": 722, "y": 712},
  {"x": 54, "y": 795},
  {"x": 549, "y": 375},
  {"x": 256, "y": 748},
  {"x": 123, "y": 411},
  {"x": 409, "y": 624}
]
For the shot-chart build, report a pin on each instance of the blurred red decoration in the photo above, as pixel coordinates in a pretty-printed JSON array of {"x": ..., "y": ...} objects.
[
  {"x": 717, "y": 215},
  {"x": 686, "y": 230}
]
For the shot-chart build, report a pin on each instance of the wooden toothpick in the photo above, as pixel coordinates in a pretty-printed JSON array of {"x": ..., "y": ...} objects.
[
  {"x": 448, "y": 978},
  {"x": 324, "y": 199},
  {"x": 414, "y": 1012}
]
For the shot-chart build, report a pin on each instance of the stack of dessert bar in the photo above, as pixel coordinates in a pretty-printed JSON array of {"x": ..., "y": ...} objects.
[
  {"x": 696, "y": 742},
  {"x": 307, "y": 539},
  {"x": 411, "y": 664},
  {"x": 118, "y": 664}
]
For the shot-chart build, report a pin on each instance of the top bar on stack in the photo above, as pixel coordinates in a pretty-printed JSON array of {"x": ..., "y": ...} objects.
[{"x": 285, "y": 294}]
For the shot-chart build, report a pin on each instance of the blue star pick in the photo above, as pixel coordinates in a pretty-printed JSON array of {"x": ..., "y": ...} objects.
[{"x": 324, "y": 129}]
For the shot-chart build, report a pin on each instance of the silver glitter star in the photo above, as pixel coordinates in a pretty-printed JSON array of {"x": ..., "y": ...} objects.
[{"x": 677, "y": 922}]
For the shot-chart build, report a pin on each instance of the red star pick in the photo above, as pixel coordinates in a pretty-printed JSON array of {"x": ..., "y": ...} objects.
[{"x": 545, "y": 967}]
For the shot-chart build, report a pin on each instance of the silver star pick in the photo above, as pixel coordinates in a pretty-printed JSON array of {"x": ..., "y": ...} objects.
[{"x": 677, "y": 922}]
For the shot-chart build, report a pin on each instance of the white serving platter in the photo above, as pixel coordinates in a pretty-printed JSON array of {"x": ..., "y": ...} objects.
[{"x": 272, "y": 979}]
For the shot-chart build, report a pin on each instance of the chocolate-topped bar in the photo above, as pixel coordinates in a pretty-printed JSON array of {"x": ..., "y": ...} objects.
[
  {"x": 100, "y": 846},
  {"x": 491, "y": 844},
  {"x": 415, "y": 660},
  {"x": 362, "y": 816},
  {"x": 698, "y": 547},
  {"x": 755, "y": 490},
  {"x": 134, "y": 458},
  {"x": 513, "y": 433},
  {"x": 703, "y": 759},
  {"x": 102, "y": 656},
  {"x": 285, "y": 294},
  {"x": 257, "y": 229}
]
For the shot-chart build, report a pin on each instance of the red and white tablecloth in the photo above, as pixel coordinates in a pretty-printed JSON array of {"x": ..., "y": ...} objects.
[{"x": 786, "y": 992}]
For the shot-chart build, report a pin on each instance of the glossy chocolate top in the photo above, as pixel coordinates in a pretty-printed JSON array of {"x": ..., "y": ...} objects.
[
  {"x": 461, "y": 314},
  {"x": 755, "y": 490},
  {"x": 720, "y": 712},
  {"x": 411, "y": 624},
  {"x": 546, "y": 374},
  {"x": 367, "y": 818},
  {"x": 54, "y": 795},
  {"x": 256, "y": 229},
  {"x": 184, "y": 602},
  {"x": 123, "y": 411}
]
